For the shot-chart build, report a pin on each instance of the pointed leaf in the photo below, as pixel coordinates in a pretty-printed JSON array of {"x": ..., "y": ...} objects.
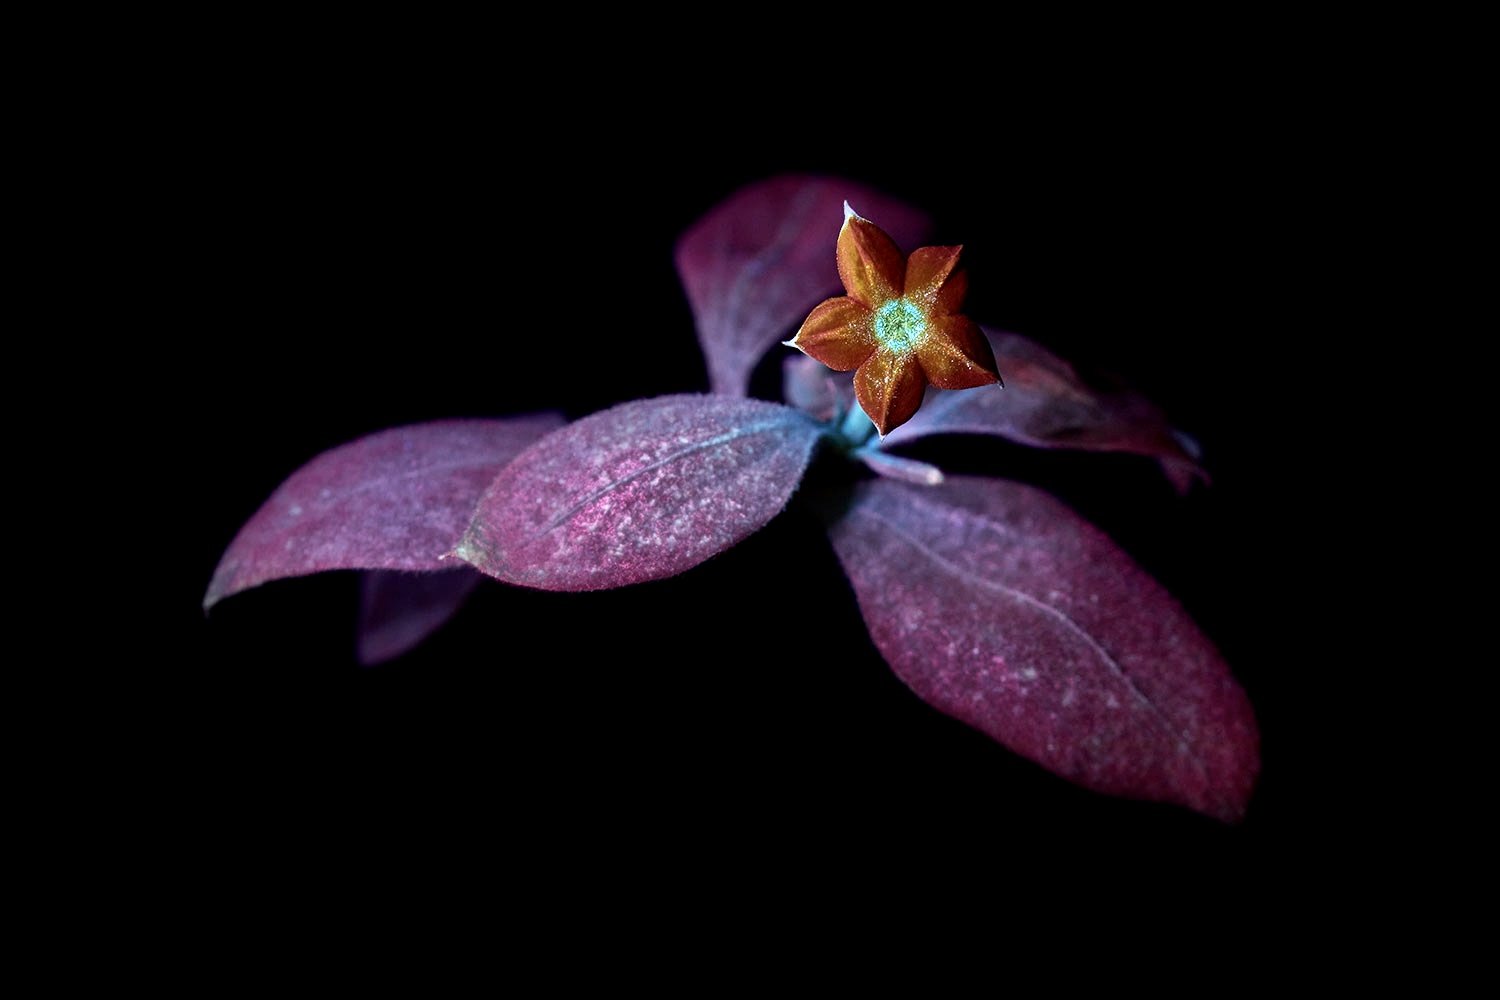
[
  {"x": 1001, "y": 607},
  {"x": 399, "y": 499},
  {"x": 639, "y": 492},
  {"x": 397, "y": 611},
  {"x": 1046, "y": 405},
  {"x": 757, "y": 263}
]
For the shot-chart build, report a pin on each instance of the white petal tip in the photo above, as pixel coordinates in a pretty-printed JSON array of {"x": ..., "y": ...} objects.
[{"x": 850, "y": 213}]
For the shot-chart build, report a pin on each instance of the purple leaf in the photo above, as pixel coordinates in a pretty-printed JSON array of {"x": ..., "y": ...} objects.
[
  {"x": 758, "y": 262},
  {"x": 398, "y": 499},
  {"x": 397, "y": 611},
  {"x": 639, "y": 492},
  {"x": 1045, "y": 404},
  {"x": 1001, "y": 607}
]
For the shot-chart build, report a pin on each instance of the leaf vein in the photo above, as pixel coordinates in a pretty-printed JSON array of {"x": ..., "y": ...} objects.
[
  {"x": 947, "y": 565},
  {"x": 562, "y": 518}
]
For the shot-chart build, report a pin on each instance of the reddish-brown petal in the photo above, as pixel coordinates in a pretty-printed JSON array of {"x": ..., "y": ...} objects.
[
  {"x": 956, "y": 354},
  {"x": 950, "y": 297},
  {"x": 839, "y": 333},
  {"x": 871, "y": 266},
  {"x": 889, "y": 388},
  {"x": 927, "y": 271}
]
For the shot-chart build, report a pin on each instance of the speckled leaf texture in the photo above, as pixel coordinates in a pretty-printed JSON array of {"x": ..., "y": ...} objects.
[
  {"x": 639, "y": 492},
  {"x": 999, "y": 606},
  {"x": 757, "y": 264},
  {"x": 399, "y": 499},
  {"x": 1045, "y": 404},
  {"x": 397, "y": 611}
]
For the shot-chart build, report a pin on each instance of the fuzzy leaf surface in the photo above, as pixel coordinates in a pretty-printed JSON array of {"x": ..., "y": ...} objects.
[
  {"x": 639, "y": 492},
  {"x": 397, "y": 499},
  {"x": 1001, "y": 607}
]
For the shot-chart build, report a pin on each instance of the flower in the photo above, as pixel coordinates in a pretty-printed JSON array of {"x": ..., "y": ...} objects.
[{"x": 898, "y": 326}]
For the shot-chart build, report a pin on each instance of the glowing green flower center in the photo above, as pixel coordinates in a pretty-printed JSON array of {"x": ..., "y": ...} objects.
[{"x": 899, "y": 325}]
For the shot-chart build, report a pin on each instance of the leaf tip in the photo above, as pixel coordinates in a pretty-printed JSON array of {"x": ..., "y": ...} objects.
[
  {"x": 463, "y": 552},
  {"x": 367, "y": 656},
  {"x": 218, "y": 588},
  {"x": 1228, "y": 807},
  {"x": 1183, "y": 474},
  {"x": 1188, "y": 443}
]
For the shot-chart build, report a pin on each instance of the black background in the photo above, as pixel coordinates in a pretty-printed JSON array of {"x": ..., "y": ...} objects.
[{"x": 368, "y": 249}]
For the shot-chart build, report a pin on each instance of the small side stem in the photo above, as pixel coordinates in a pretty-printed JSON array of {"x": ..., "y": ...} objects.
[{"x": 856, "y": 427}]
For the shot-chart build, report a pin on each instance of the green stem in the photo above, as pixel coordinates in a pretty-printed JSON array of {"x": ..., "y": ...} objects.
[{"x": 856, "y": 428}]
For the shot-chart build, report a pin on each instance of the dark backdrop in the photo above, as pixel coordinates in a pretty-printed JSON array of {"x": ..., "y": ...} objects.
[{"x": 362, "y": 255}]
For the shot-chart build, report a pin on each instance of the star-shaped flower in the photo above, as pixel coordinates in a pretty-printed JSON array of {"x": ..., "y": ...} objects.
[{"x": 898, "y": 325}]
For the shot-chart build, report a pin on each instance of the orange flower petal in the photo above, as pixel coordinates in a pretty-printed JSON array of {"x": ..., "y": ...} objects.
[
  {"x": 951, "y": 297},
  {"x": 927, "y": 271},
  {"x": 957, "y": 354},
  {"x": 889, "y": 388},
  {"x": 871, "y": 266},
  {"x": 839, "y": 332}
]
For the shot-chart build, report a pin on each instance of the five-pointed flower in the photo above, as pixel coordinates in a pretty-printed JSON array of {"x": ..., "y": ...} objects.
[{"x": 898, "y": 325}]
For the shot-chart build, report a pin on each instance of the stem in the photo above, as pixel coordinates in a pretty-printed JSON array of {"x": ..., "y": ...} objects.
[{"x": 856, "y": 427}]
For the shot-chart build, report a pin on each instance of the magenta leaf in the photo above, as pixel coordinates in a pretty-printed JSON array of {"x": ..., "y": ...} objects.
[
  {"x": 639, "y": 492},
  {"x": 998, "y": 605},
  {"x": 1045, "y": 404},
  {"x": 399, "y": 499},
  {"x": 758, "y": 262},
  {"x": 397, "y": 611}
]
